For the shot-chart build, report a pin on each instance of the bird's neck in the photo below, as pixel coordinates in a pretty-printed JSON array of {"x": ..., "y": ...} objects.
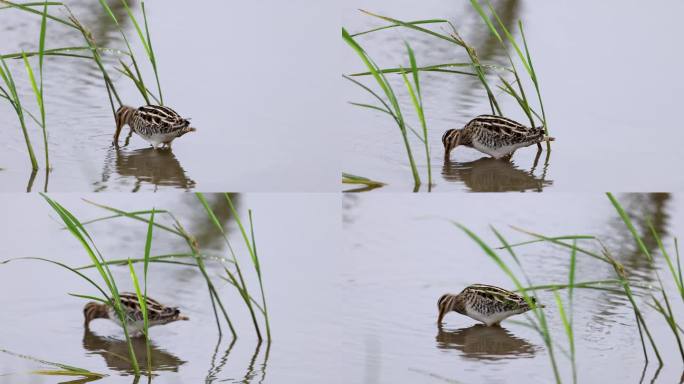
[{"x": 459, "y": 304}]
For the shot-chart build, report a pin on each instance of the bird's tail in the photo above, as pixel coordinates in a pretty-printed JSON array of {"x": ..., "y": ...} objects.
[{"x": 541, "y": 134}]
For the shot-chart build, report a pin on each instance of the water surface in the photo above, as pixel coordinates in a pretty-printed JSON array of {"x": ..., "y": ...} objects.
[
  {"x": 604, "y": 91},
  {"x": 403, "y": 255},
  {"x": 298, "y": 264},
  {"x": 225, "y": 65}
]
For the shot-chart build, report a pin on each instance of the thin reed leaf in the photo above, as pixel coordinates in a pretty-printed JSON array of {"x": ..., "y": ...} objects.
[
  {"x": 132, "y": 215},
  {"x": 540, "y": 240},
  {"x": 348, "y": 178},
  {"x": 630, "y": 226},
  {"x": 567, "y": 325},
  {"x": 89, "y": 297},
  {"x": 152, "y": 259},
  {"x": 143, "y": 306},
  {"x": 74, "y": 270},
  {"x": 80, "y": 233},
  {"x": 573, "y": 265},
  {"x": 65, "y": 369},
  {"x": 38, "y": 92},
  {"x": 668, "y": 260},
  {"x": 15, "y": 101},
  {"x": 417, "y": 99},
  {"x": 389, "y": 110},
  {"x": 417, "y": 22},
  {"x": 490, "y": 252},
  {"x": 27, "y": 8},
  {"x": 533, "y": 75},
  {"x": 389, "y": 93},
  {"x": 153, "y": 59},
  {"x": 412, "y": 25},
  {"x": 257, "y": 266},
  {"x": 669, "y": 318},
  {"x": 41, "y": 104},
  {"x": 428, "y": 68},
  {"x": 243, "y": 284}
]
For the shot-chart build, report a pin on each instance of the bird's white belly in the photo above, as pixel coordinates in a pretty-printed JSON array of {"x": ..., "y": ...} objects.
[
  {"x": 498, "y": 152},
  {"x": 493, "y": 318},
  {"x": 133, "y": 327},
  {"x": 159, "y": 138}
]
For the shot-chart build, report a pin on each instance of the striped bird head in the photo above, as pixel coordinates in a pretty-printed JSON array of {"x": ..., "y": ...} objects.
[
  {"x": 449, "y": 302},
  {"x": 451, "y": 139},
  {"x": 93, "y": 310},
  {"x": 122, "y": 116}
]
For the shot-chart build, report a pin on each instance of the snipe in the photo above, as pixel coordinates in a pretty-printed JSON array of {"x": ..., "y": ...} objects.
[
  {"x": 154, "y": 123},
  {"x": 485, "y": 303},
  {"x": 158, "y": 314},
  {"x": 495, "y": 136}
]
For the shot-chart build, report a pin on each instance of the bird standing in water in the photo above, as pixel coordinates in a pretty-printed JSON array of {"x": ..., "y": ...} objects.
[
  {"x": 485, "y": 303},
  {"x": 154, "y": 123},
  {"x": 493, "y": 135},
  {"x": 158, "y": 314}
]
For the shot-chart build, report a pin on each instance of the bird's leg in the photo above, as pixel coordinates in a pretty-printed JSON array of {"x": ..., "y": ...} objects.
[{"x": 128, "y": 138}]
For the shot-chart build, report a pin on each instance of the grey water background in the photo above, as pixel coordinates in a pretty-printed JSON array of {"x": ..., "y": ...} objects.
[
  {"x": 403, "y": 254},
  {"x": 298, "y": 263},
  {"x": 239, "y": 70},
  {"x": 604, "y": 70}
]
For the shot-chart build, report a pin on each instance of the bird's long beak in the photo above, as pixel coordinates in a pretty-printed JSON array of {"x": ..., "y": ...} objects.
[
  {"x": 183, "y": 318},
  {"x": 447, "y": 153}
]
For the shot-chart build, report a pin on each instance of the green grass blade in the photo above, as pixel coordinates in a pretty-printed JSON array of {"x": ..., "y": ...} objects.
[
  {"x": 38, "y": 92},
  {"x": 152, "y": 259},
  {"x": 153, "y": 59},
  {"x": 630, "y": 226},
  {"x": 7, "y": 77},
  {"x": 417, "y": 99},
  {"x": 668, "y": 260},
  {"x": 89, "y": 297},
  {"x": 257, "y": 265},
  {"x": 143, "y": 306},
  {"x": 148, "y": 247},
  {"x": 412, "y": 25},
  {"x": 486, "y": 19},
  {"x": 27, "y": 8},
  {"x": 568, "y": 329},
  {"x": 243, "y": 290},
  {"x": 429, "y": 68},
  {"x": 387, "y": 89},
  {"x": 133, "y": 215},
  {"x": 348, "y": 178},
  {"x": 74, "y": 270},
  {"x": 490, "y": 252},
  {"x": 417, "y": 22}
]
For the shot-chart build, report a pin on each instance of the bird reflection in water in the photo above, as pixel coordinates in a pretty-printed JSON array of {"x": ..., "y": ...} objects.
[
  {"x": 144, "y": 166},
  {"x": 115, "y": 353},
  {"x": 492, "y": 175},
  {"x": 482, "y": 342}
]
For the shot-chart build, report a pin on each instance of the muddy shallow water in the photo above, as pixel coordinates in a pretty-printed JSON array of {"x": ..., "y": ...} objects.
[
  {"x": 298, "y": 264},
  {"x": 404, "y": 255},
  {"x": 606, "y": 100},
  {"x": 220, "y": 64}
]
